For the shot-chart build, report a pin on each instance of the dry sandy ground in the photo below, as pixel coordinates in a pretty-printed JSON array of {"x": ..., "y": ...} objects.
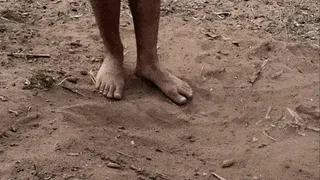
[{"x": 247, "y": 61}]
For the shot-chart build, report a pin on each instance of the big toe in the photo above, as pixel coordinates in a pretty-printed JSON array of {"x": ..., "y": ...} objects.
[
  {"x": 177, "y": 98},
  {"x": 118, "y": 92},
  {"x": 186, "y": 91}
]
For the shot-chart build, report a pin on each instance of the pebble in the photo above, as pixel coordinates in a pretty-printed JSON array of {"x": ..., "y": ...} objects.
[
  {"x": 227, "y": 163},
  {"x": 113, "y": 165},
  {"x": 73, "y": 80},
  {"x": 83, "y": 73}
]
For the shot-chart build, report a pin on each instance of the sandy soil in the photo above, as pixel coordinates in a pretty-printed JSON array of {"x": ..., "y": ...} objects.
[{"x": 249, "y": 62}]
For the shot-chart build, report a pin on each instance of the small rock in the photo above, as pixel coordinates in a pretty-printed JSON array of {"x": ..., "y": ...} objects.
[
  {"x": 132, "y": 167},
  {"x": 236, "y": 43},
  {"x": 159, "y": 150},
  {"x": 254, "y": 139},
  {"x": 113, "y": 165},
  {"x": 2, "y": 98},
  {"x": 227, "y": 163},
  {"x": 73, "y": 80},
  {"x": 84, "y": 73},
  {"x": 62, "y": 72},
  {"x": 13, "y": 144},
  {"x": 262, "y": 145}
]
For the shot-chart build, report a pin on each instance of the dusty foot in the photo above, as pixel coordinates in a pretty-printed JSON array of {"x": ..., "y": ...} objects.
[
  {"x": 110, "y": 79},
  {"x": 173, "y": 87}
]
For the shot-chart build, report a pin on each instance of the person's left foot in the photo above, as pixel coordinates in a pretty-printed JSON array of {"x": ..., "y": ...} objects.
[
  {"x": 174, "y": 88},
  {"x": 110, "y": 78}
]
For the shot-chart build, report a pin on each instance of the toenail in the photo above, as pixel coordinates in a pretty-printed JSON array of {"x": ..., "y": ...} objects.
[{"x": 183, "y": 99}]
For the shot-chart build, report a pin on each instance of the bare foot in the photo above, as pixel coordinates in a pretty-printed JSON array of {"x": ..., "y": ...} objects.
[
  {"x": 110, "y": 79},
  {"x": 173, "y": 87}
]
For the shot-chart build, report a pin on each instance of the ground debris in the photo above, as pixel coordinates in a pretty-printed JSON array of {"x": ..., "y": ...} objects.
[
  {"x": 227, "y": 163},
  {"x": 39, "y": 80},
  {"x": 113, "y": 165},
  {"x": 257, "y": 74},
  {"x": 313, "y": 111},
  {"x": 277, "y": 74},
  {"x": 218, "y": 176},
  {"x": 28, "y": 56},
  {"x": 3, "y": 98}
]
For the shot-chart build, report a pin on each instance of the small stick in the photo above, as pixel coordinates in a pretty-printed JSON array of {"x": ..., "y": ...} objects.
[
  {"x": 74, "y": 91},
  {"x": 19, "y": 55},
  {"x": 93, "y": 79},
  {"x": 298, "y": 119},
  {"x": 265, "y": 133},
  {"x": 125, "y": 52},
  {"x": 257, "y": 74},
  {"x": 268, "y": 113},
  {"x": 313, "y": 128},
  {"x": 201, "y": 70},
  {"x": 2, "y": 98},
  {"x": 223, "y": 13},
  {"x": 63, "y": 80},
  {"x": 208, "y": 34},
  {"x": 217, "y": 176},
  {"x": 16, "y": 113},
  {"x": 127, "y": 155}
]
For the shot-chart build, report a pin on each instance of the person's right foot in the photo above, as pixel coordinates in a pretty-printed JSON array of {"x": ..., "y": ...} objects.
[
  {"x": 110, "y": 79},
  {"x": 174, "y": 88}
]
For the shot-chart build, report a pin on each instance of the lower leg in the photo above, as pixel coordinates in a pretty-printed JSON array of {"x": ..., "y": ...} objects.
[
  {"x": 110, "y": 78},
  {"x": 146, "y": 15}
]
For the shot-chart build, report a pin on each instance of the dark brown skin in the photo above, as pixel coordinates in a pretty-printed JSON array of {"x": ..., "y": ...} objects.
[{"x": 110, "y": 78}]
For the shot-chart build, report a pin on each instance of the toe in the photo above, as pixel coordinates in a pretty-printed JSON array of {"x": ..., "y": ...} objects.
[
  {"x": 97, "y": 85},
  {"x": 180, "y": 99},
  {"x": 177, "y": 98},
  {"x": 106, "y": 90},
  {"x": 101, "y": 88},
  {"x": 187, "y": 92},
  {"x": 111, "y": 91},
  {"x": 118, "y": 92}
]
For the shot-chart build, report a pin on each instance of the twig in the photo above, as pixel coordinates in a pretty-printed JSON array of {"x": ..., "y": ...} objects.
[
  {"x": 274, "y": 139},
  {"x": 3, "y": 18},
  {"x": 201, "y": 70},
  {"x": 56, "y": 1},
  {"x": 16, "y": 113},
  {"x": 2, "y": 98},
  {"x": 93, "y": 79},
  {"x": 22, "y": 120},
  {"x": 208, "y": 34},
  {"x": 256, "y": 75},
  {"x": 268, "y": 113},
  {"x": 62, "y": 81},
  {"x": 124, "y": 154},
  {"x": 125, "y": 52},
  {"x": 298, "y": 119},
  {"x": 277, "y": 74},
  {"x": 312, "y": 111},
  {"x": 222, "y": 15},
  {"x": 74, "y": 91},
  {"x": 313, "y": 128},
  {"x": 217, "y": 176},
  {"x": 21, "y": 55}
]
